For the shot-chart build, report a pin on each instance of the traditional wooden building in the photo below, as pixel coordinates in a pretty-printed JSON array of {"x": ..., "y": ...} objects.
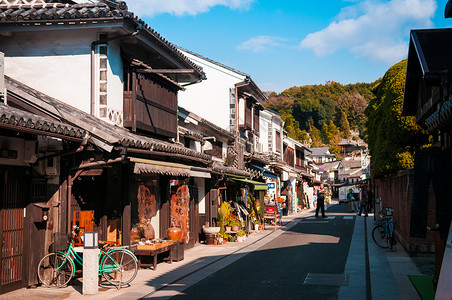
[
  {"x": 110, "y": 78},
  {"x": 427, "y": 96}
]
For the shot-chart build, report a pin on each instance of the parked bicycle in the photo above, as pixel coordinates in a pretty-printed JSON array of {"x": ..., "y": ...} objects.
[
  {"x": 118, "y": 265},
  {"x": 383, "y": 232}
]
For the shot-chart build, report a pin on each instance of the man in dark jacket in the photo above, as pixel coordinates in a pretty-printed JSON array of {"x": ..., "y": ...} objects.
[
  {"x": 320, "y": 201},
  {"x": 363, "y": 202}
]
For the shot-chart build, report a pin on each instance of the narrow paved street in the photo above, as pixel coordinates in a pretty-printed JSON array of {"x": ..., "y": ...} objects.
[{"x": 279, "y": 269}]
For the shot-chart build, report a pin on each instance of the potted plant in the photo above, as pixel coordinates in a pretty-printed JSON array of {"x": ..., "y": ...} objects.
[
  {"x": 234, "y": 222},
  {"x": 223, "y": 213},
  {"x": 241, "y": 235},
  {"x": 256, "y": 225}
]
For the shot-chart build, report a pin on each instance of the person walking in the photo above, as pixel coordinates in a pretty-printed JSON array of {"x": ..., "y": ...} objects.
[
  {"x": 370, "y": 200},
  {"x": 350, "y": 201},
  {"x": 320, "y": 201},
  {"x": 355, "y": 202},
  {"x": 363, "y": 202}
]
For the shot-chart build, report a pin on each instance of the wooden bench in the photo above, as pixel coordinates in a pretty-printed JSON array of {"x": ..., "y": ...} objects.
[
  {"x": 153, "y": 251},
  {"x": 271, "y": 213}
]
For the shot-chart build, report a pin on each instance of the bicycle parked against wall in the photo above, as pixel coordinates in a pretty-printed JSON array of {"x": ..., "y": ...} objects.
[
  {"x": 117, "y": 265},
  {"x": 383, "y": 232}
]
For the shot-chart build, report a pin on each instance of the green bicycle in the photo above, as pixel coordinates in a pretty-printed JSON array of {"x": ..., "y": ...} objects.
[{"x": 119, "y": 266}]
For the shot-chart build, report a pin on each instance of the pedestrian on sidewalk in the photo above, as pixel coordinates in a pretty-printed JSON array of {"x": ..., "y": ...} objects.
[
  {"x": 363, "y": 202},
  {"x": 306, "y": 201},
  {"x": 350, "y": 201},
  {"x": 370, "y": 200},
  {"x": 320, "y": 201},
  {"x": 356, "y": 202}
]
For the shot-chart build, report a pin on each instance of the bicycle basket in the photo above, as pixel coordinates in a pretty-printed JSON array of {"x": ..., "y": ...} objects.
[
  {"x": 389, "y": 211},
  {"x": 61, "y": 241}
]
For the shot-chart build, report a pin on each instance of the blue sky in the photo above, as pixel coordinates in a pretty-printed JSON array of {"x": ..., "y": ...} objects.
[{"x": 291, "y": 43}]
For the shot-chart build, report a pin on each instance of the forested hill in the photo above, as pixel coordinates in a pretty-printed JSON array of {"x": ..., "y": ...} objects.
[{"x": 328, "y": 112}]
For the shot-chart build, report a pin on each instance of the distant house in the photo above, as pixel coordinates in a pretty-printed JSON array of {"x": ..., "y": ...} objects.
[
  {"x": 350, "y": 147},
  {"x": 321, "y": 155},
  {"x": 350, "y": 171}
]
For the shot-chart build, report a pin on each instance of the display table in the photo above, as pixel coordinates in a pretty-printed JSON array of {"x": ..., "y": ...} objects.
[{"x": 153, "y": 250}]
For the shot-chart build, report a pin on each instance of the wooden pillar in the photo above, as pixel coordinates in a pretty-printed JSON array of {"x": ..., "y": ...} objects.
[
  {"x": 127, "y": 194},
  {"x": 165, "y": 207},
  {"x": 69, "y": 183}
]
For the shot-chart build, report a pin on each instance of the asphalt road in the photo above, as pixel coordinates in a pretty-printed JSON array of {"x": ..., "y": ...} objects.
[{"x": 279, "y": 269}]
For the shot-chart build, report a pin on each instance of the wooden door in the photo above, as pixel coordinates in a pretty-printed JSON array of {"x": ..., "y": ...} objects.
[
  {"x": 13, "y": 190},
  {"x": 194, "y": 227}
]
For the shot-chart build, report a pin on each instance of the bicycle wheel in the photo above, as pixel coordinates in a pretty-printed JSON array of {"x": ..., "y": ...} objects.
[
  {"x": 379, "y": 236},
  {"x": 55, "y": 270},
  {"x": 119, "y": 267}
]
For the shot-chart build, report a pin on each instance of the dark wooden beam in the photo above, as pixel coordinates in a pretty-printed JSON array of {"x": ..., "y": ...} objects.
[{"x": 167, "y": 71}]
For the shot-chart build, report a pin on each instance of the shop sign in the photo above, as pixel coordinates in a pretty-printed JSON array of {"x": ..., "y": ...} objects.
[{"x": 271, "y": 185}]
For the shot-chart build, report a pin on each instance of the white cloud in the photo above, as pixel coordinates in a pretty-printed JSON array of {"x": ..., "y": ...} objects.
[
  {"x": 182, "y": 7},
  {"x": 261, "y": 43},
  {"x": 374, "y": 29}
]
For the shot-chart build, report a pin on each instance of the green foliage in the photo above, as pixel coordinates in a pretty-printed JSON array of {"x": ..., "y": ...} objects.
[
  {"x": 223, "y": 213},
  {"x": 308, "y": 107},
  {"x": 392, "y": 137},
  {"x": 292, "y": 127},
  {"x": 344, "y": 125},
  {"x": 316, "y": 138}
]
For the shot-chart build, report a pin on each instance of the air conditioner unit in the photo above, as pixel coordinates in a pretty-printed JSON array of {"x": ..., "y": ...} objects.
[
  {"x": 50, "y": 166},
  {"x": 53, "y": 166}
]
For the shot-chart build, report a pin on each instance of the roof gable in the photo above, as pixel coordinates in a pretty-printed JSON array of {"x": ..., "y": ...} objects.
[
  {"x": 429, "y": 60},
  {"x": 23, "y": 15}
]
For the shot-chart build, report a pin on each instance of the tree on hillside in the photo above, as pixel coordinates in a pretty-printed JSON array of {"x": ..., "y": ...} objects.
[
  {"x": 316, "y": 139},
  {"x": 292, "y": 127},
  {"x": 344, "y": 126},
  {"x": 391, "y": 136},
  {"x": 281, "y": 104}
]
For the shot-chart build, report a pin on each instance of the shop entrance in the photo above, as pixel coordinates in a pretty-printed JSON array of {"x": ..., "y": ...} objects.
[{"x": 13, "y": 191}]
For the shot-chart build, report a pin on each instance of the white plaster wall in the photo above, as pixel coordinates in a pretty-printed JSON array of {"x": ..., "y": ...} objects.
[
  {"x": 200, "y": 183},
  {"x": 115, "y": 77},
  {"x": 210, "y": 98},
  {"x": 263, "y": 134},
  {"x": 58, "y": 63}
]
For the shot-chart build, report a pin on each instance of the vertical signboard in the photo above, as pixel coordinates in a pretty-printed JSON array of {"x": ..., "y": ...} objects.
[{"x": 2, "y": 73}]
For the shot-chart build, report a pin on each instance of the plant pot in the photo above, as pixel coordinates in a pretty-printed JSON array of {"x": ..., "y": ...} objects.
[
  {"x": 174, "y": 233},
  {"x": 211, "y": 230},
  {"x": 135, "y": 234},
  {"x": 256, "y": 227},
  {"x": 210, "y": 239},
  {"x": 235, "y": 228},
  {"x": 228, "y": 228}
]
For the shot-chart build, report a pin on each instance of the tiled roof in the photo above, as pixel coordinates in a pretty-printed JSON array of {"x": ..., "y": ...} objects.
[
  {"x": 38, "y": 12},
  {"x": 212, "y": 61},
  {"x": 351, "y": 164},
  {"x": 211, "y": 125},
  {"x": 20, "y": 120},
  {"x": 103, "y": 131},
  {"x": 320, "y": 151},
  {"x": 229, "y": 170}
]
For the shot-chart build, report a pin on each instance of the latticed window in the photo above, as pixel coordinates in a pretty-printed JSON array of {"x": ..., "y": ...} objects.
[{"x": 102, "y": 80}]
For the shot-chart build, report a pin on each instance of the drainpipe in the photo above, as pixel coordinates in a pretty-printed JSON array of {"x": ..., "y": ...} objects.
[{"x": 93, "y": 62}]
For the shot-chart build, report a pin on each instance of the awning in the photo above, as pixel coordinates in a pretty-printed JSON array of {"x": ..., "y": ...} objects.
[
  {"x": 267, "y": 173},
  {"x": 147, "y": 166},
  {"x": 258, "y": 186}
]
